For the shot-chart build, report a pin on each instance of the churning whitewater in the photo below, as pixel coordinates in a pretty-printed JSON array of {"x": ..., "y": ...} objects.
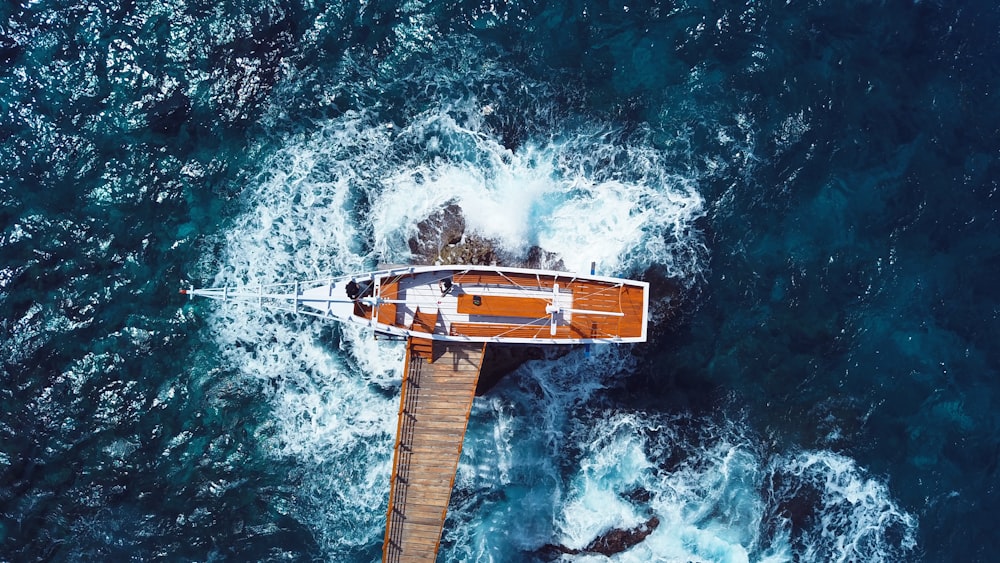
[
  {"x": 809, "y": 187},
  {"x": 546, "y": 461}
]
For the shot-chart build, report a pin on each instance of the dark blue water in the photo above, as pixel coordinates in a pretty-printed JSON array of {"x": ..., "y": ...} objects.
[{"x": 817, "y": 180}]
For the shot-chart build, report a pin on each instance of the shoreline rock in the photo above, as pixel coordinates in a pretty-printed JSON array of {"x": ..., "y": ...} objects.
[
  {"x": 439, "y": 230},
  {"x": 611, "y": 542},
  {"x": 442, "y": 238}
]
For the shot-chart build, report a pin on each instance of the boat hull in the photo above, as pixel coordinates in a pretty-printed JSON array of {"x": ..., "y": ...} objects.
[
  {"x": 470, "y": 304},
  {"x": 490, "y": 304}
]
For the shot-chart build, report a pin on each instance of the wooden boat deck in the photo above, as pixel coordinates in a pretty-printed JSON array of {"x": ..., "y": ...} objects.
[
  {"x": 491, "y": 304},
  {"x": 438, "y": 389},
  {"x": 468, "y": 303}
]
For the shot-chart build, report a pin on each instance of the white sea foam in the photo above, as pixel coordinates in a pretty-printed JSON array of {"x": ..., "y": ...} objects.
[
  {"x": 330, "y": 412},
  {"x": 351, "y": 193},
  {"x": 537, "y": 467},
  {"x": 586, "y": 196},
  {"x": 708, "y": 506},
  {"x": 346, "y": 196},
  {"x": 717, "y": 498},
  {"x": 510, "y": 480},
  {"x": 332, "y": 421},
  {"x": 857, "y": 518}
]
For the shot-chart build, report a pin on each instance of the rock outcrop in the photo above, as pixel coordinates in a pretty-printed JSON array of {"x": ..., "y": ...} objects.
[
  {"x": 612, "y": 542},
  {"x": 442, "y": 238},
  {"x": 471, "y": 249},
  {"x": 440, "y": 230}
]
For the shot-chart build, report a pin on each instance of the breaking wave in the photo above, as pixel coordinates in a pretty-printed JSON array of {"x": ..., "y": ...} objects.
[
  {"x": 716, "y": 495},
  {"x": 544, "y": 461}
]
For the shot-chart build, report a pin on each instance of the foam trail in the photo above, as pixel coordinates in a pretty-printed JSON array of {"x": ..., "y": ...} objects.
[
  {"x": 538, "y": 464},
  {"x": 347, "y": 196}
]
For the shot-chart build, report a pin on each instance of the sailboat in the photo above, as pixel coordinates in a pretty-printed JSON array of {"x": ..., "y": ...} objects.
[{"x": 448, "y": 315}]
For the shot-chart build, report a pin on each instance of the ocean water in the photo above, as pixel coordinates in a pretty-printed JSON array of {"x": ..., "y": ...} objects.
[{"x": 817, "y": 181}]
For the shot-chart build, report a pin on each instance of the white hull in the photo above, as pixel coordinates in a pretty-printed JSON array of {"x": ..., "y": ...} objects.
[{"x": 484, "y": 304}]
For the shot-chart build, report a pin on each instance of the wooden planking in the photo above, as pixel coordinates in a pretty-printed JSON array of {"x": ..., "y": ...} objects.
[
  {"x": 435, "y": 403},
  {"x": 502, "y": 306},
  {"x": 587, "y": 294},
  {"x": 424, "y": 321},
  {"x": 362, "y": 310},
  {"x": 496, "y": 316},
  {"x": 387, "y": 311},
  {"x": 494, "y": 278},
  {"x": 603, "y": 297},
  {"x": 537, "y": 330},
  {"x": 422, "y": 348}
]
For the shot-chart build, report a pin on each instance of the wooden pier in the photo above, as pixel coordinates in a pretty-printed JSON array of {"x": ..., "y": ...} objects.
[
  {"x": 438, "y": 388},
  {"x": 448, "y": 313}
]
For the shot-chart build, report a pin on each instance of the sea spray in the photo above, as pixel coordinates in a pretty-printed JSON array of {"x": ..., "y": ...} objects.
[
  {"x": 589, "y": 194},
  {"x": 715, "y": 493}
]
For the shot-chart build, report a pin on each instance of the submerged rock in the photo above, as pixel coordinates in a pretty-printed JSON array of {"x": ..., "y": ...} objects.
[{"x": 612, "y": 542}]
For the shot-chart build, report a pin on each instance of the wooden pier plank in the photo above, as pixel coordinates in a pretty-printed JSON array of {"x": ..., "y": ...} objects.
[{"x": 435, "y": 403}]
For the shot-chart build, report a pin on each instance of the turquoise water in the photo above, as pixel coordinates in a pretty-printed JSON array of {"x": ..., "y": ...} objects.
[{"x": 818, "y": 180}]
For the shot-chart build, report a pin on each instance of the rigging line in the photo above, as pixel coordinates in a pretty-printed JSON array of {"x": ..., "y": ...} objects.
[
  {"x": 598, "y": 292},
  {"x": 531, "y": 323},
  {"x": 504, "y": 276},
  {"x": 399, "y": 277},
  {"x": 451, "y": 274},
  {"x": 526, "y": 325},
  {"x": 240, "y": 289},
  {"x": 602, "y": 290},
  {"x": 618, "y": 329}
]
